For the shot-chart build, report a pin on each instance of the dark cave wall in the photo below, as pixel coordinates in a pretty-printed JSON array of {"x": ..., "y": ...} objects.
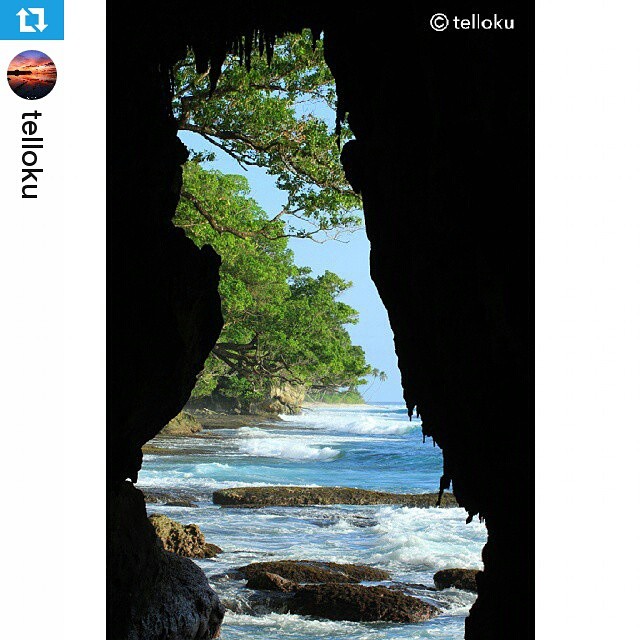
[
  {"x": 441, "y": 156},
  {"x": 164, "y": 317}
]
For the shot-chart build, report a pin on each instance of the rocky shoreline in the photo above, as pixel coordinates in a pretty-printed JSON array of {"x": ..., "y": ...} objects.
[
  {"x": 327, "y": 590},
  {"x": 331, "y": 591},
  {"x": 315, "y": 589},
  {"x": 306, "y": 496},
  {"x": 323, "y": 590}
]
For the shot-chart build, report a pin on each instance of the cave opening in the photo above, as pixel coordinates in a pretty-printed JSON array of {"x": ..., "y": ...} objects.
[
  {"x": 294, "y": 413},
  {"x": 446, "y": 256}
]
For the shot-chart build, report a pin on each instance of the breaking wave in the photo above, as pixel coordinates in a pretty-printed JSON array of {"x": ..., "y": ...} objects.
[{"x": 286, "y": 448}]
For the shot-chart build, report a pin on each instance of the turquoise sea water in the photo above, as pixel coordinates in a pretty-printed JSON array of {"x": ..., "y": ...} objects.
[{"x": 369, "y": 447}]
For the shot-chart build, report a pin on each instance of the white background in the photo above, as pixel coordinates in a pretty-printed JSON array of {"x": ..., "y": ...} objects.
[
  {"x": 52, "y": 345},
  {"x": 52, "y": 332},
  {"x": 587, "y": 319}
]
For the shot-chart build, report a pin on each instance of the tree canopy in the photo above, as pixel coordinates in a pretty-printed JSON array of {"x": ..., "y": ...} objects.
[
  {"x": 268, "y": 117},
  {"x": 281, "y": 324}
]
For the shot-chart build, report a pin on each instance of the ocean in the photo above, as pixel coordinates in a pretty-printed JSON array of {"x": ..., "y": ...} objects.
[{"x": 371, "y": 446}]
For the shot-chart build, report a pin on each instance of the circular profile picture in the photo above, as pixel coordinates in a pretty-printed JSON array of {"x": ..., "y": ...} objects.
[{"x": 32, "y": 75}]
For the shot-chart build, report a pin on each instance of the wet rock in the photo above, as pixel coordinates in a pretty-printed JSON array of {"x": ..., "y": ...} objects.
[
  {"x": 154, "y": 450},
  {"x": 459, "y": 578},
  {"x": 270, "y": 582},
  {"x": 156, "y": 497},
  {"x": 171, "y": 497},
  {"x": 309, "y": 571},
  {"x": 258, "y": 602},
  {"x": 358, "y": 603},
  {"x": 181, "y": 503},
  {"x": 181, "y": 605},
  {"x": 184, "y": 424},
  {"x": 213, "y": 420},
  {"x": 211, "y": 550},
  {"x": 303, "y": 496},
  {"x": 182, "y": 539}
]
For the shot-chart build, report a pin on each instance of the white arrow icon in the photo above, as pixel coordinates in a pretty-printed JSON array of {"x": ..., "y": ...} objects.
[
  {"x": 24, "y": 27},
  {"x": 27, "y": 28},
  {"x": 41, "y": 26}
]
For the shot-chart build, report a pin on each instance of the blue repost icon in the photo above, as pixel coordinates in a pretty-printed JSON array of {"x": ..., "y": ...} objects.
[{"x": 31, "y": 19}]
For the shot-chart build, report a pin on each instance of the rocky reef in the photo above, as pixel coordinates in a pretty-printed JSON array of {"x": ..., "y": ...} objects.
[
  {"x": 313, "y": 571},
  {"x": 267, "y": 581},
  {"x": 171, "y": 497},
  {"x": 332, "y": 591},
  {"x": 358, "y": 603},
  {"x": 301, "y": 496}
]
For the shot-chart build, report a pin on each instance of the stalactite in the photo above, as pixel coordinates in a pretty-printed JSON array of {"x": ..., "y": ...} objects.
[
  {"x": 270, "y": 45},
  {"x": 260, "y": 43},
  {"x": 445, "y": 483},
  {"x": 315, "y": 36},
  {"x": 241, "y": 51},
  {"x": 201, "y": 54},
  {"x": 248, "y": 46},
  {"x": 215, "y": 59}
]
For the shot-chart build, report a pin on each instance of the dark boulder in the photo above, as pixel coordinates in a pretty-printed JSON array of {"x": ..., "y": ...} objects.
[
  {"x": 308, "y": 571},
  {"x": 459, "y": 578},
  {"x": 357, "y": 603},
  {"x": 180, "y": 605}
]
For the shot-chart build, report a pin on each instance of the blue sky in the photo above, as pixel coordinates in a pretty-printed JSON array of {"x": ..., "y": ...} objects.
[{"x": 349, "y": 260}]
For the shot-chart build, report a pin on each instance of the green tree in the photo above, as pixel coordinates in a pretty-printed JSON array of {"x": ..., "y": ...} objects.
[
  {"x": 281, "y": 324},
  {"x": 260, "y": 117}
]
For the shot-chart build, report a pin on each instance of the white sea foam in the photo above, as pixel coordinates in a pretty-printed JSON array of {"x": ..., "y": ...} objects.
[
  {"x": 286, "y": 448},
  {"x": 205, "y": 468},
  {"x": 343, "y": 421},
  {"x": 427, "y": 538},
  {"x": 201, "y": 484},
  {"x": 411, "y": 543},
  {"x": 277, "y": 626},
  {"x": 291, "y": 625},
  {"x": 252, "y": 432},
  {"x": 370, "y": 425},
  {"x": 455, "y": 602}
]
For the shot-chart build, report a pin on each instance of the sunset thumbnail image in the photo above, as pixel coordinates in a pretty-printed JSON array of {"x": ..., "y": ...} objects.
[{"x": 32, "y": 75}]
